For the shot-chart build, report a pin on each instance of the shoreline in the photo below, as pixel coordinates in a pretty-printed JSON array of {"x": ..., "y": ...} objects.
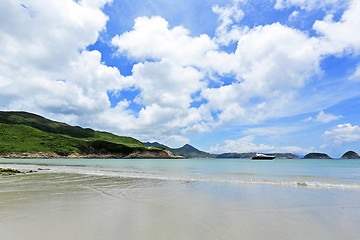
[{"x": 164, "y": 154}]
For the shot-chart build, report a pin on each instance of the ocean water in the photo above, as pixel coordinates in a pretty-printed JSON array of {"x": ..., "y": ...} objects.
[{"x": 180, "y": 199}]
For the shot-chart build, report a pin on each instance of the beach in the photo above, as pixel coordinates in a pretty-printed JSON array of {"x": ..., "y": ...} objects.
[{"x": 180, "y": 199}]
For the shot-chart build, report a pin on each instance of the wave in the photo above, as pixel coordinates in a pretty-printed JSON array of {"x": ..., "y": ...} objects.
[{"x": 184, "y": 178}]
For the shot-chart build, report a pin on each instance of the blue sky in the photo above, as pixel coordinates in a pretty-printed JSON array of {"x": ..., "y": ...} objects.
[{"x": 223, "y": 76}]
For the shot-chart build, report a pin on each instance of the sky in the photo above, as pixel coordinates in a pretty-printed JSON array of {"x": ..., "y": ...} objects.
[{"x": 224, "y": 76}]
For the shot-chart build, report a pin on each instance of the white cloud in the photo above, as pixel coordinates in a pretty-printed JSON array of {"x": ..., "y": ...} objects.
[
  {"x": 324, "y": 117},
  {"x": 151, "y": 38},
  {"x": 273, "y": 63},
  {"x": 173, "y": 141},
  {"x": 342, "y": 133},
  {"x": 227, "y": 32},
  {"x": 166, "y": 84},
  {"x": 309, "y": 4},
  {"x": 47, "y": 34},
  {"x": 246, "y": 144},
  {"x": 356, "y": 75},
  {"x": 165, "y": 94},
  {"x": 44, "y": 65},
  {"x": 339, "y": 37},
  {"x": 293, "y": 15}
]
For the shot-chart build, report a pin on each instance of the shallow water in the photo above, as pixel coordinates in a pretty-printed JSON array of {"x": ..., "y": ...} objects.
[{"x": 181, "y": 199}]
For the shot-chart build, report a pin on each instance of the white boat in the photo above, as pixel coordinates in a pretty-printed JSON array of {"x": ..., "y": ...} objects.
[{"x": 260, "y": 156}]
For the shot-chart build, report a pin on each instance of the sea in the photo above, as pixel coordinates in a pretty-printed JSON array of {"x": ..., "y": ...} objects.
[{"x": 86, "y": 199}]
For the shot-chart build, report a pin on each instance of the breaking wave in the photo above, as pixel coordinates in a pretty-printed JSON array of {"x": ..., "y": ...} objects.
[{"x": 244, "y": 179}]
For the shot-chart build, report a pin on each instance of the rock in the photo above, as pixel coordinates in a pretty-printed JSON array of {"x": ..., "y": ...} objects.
[
  {"x": 350, "y": 155},
  {"x": 301, "y": 184},
  {"x": 8, "y": 171}
]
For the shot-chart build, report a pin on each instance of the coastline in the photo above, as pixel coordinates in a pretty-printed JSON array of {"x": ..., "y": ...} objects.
[{"x": 150, "y": 154}]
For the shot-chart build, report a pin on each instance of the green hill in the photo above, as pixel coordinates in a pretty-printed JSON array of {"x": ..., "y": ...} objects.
[{"x": 22, "y": 132}]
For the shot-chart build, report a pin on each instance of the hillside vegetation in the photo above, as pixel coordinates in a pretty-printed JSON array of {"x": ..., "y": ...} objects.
[
  {"x": 350, "y": 155},
  {"x": 22, "y": 132}
]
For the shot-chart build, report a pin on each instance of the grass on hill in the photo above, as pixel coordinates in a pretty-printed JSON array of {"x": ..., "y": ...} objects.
[
  {"x": 22, "y": 132},
  {"x": 17, "y": 138}
]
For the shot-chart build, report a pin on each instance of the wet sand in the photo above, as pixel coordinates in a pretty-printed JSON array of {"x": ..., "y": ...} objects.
[{"x": 85, "y": 207}]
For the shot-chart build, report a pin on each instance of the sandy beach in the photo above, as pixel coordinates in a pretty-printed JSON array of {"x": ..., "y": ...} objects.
[{"x": 57, "y": 204}]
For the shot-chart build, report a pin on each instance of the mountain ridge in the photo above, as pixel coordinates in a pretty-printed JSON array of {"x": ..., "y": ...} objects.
[{"x": 189, "y": 151}]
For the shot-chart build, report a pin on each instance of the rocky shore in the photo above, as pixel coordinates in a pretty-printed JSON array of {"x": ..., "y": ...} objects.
[{"x": 8, "y": 171}]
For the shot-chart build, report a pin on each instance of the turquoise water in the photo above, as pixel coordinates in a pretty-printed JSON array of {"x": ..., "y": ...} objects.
[
  {"x": 334, "y": 173},
  {"x": 91, "y": 199}
]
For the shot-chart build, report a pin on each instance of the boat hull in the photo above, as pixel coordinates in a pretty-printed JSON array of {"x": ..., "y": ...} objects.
[{"x": 262, "y": 158}]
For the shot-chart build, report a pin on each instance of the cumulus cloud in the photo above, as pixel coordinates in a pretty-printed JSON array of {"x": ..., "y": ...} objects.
[
  {"x": 341, "y": 37},
  {"x": 324, "y": 117},
  {"x": 246, "y": 144},
  {"x": 342, "y": 133},
  {"x": 286, "y": 57},
  {"x": 166, "y": 84},
  {"x": 151, "y": 38},
  {"x": 45, "y": 67},
  {"x": 271, "y": 64}
]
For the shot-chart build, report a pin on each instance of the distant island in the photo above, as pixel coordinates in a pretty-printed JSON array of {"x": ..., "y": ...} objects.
[
  {"x": 27, "y": 135},
  {"x": 316, "y": 156},
  {"x": 350, "y": 155},
  {"x": 189, "y": 151}
]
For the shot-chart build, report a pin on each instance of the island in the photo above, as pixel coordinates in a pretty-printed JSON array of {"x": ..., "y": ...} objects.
[
  {"x": 189, "y": 151},
  {"x": 350, "y": 155},
  {"x": 316, "y": 156}
]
